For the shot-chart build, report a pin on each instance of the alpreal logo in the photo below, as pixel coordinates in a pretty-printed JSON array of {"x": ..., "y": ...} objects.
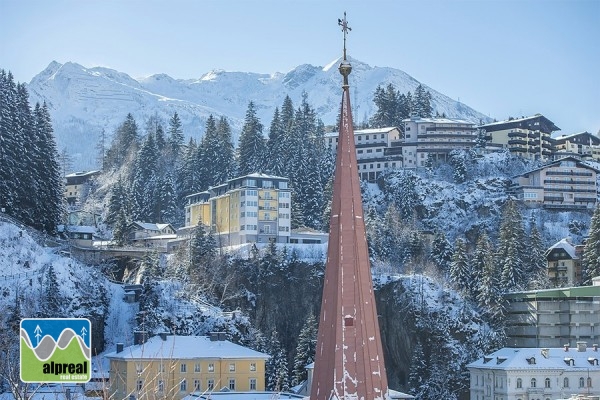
[{"x": 55, "y": 350}]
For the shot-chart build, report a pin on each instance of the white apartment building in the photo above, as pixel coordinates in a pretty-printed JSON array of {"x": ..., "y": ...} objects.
[
  {"x": 536, "y": 373},
  {"x": 434, "y": 139},
  {"x": 376, "y": 150}
]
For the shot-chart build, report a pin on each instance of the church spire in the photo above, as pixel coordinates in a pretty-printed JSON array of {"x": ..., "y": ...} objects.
[{"x": 349, "y": 357}]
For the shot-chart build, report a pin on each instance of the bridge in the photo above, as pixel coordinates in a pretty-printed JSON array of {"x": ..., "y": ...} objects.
[{"x": 99, "y": 254}]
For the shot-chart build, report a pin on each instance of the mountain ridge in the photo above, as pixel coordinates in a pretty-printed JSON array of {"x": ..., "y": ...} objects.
[{"x": 84, "y": 102}]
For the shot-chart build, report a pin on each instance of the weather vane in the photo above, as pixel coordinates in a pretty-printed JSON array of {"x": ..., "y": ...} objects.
[{"x": 345, "y": 28}]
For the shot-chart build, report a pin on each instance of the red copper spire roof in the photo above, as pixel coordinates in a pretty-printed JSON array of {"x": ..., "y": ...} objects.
[{"x": 349, "y": 358}]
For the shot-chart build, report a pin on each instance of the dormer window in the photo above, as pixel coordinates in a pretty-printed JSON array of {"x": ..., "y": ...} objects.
[{"x": 531, "y": 360}]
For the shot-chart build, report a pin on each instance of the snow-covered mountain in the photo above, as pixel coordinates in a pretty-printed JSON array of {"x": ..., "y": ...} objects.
[{"x": 85, "y": 101}]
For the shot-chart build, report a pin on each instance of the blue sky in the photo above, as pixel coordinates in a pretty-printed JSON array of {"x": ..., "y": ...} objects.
[{"x": 503, "y": 58}]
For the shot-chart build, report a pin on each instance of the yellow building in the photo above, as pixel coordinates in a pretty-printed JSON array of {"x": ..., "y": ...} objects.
[
  {"x": 254, "y": 208},
  {"x": 171, "y": 367}
]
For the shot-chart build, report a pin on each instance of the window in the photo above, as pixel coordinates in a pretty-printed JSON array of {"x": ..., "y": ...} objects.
[
  {"x": 566, "y": 382},
  {"x": 581, "y": 382},
  {"x": 267, "y": 184},
  {"x": 252, "y": 366},
  {"x": 183, "y": 386},
  {"x": 197, "y": 367},
  {"x": 519, "y": 383},
  {"x": 533, "y": 383},
  {"x": 161, "y": 367},
  {"x": 183, "y": 368},
  {"x": 252, "y": 383},
  {"x": 589, "y": 382},
  {"x": 367, "y": 137},
  {"x": 547, "y": 383},
  {"x": 231, "y": 367},
  {"x": 197, "y": 384},
  {"x": 231, "y": 384},
  {"x": 210, "y": 384},
  {"x": 140, "y": 385},
  {"x": 161, "y": 385},
  {"x": 283, "y": 185},
  {"x": 211, "y": 367}
]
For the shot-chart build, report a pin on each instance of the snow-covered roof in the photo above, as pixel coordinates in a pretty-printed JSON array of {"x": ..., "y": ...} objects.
[
  {"x": 84, "y": 173},
  {"x": 365, "y": 131},
  {"x": 232, "y": 395},
  {"x": 186, "y": 347},
  {"x": 540, "y": 359},
  {"x": 261, "y": 175},
  {"x": 159, "y": 237},
  {"x": 557, "y": 162},
  {"x": 565, "y": 245},
  {"x": 439, "y": 121},
  {"x": 77, "y": 228},
  {"x": 150, "y": 226}
]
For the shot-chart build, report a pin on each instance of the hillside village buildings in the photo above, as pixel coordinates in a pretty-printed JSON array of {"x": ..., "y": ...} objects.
[
  {"x": 171, "y": 366},
  {"x": 583, "y": 145},
  {"x": 564, "y": 263}
]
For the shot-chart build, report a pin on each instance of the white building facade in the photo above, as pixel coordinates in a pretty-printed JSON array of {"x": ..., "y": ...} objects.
[{"x": 536, "y": 373}]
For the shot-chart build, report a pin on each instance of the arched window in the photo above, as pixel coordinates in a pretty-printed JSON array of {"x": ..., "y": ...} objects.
[
  {"x": 589, "y": 382},
  {"x": 581, "y": 382},
  {"x": 547, "y": 382},
  {"x": 533, "y": 382},
  {"x": 566, "y": 382},
  {"x": 519, "y": 383}
]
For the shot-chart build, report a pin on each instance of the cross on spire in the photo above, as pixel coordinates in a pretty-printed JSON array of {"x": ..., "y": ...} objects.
[{"x": 345, "y": 28}]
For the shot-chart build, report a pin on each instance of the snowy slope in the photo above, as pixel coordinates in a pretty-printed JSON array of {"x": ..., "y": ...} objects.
[{"x": 85, "y": 101}]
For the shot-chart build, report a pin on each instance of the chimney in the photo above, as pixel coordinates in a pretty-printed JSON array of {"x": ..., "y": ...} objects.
[
  {"x": 566, "y": 346},
  {"x": 595, "y": 346},
  {"x": 119, "y": 347},
  {"x": 581, "y": 346},
  {"x": 140, "y": 337},
  {"x": 214, "y": 336},
  {"x": 163, "y": 336}
]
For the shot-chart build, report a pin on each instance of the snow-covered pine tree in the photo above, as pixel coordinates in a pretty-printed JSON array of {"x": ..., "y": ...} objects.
[
  {"x": 251, "y": 149},
  {"x": 187, "y": 182},
  {"x": 175, "y": 139},
  {"x": 117, "y": 202},
  {"x": 535, "y": 258},
  {"x": 441, "y": 251},
  {"x": 510, "y": 254},
  {"x": 209, "y": 154},
  {"x": 144, "y": 182},
  {"x": 590, "y": 266},
  {"x": 226, "y": 153},
  {"x": 53, "y": 300},
  {"x": 124, "y": 143},
  {"x": 275, "y": 162},
  {"x": 276, "y": 366},
  {"x": 460, "y": 269},
  {"x": 166, "y": 200},
  {"x": 489, "y": 292},
  {"x": 49, "y": 207},
  {"x": 305, "y": 349}
]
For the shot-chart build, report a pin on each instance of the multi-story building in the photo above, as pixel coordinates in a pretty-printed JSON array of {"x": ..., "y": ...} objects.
[
  {"x": 432, "y": 139},
  {"x": 553, "y": 317},
  {"x": 170, "y": 367},
  {"x": 255, "y": 208},
  {"x": 564, "y": 263},
  {"x": 583, "y": 145},
  {"x": 536, "y": 373},
  {"x": 565, "y": 183},
  {"x": 376, "y": 150},
  {"x": 528, "y": 137},
  {"x": 77, "y": 185}
]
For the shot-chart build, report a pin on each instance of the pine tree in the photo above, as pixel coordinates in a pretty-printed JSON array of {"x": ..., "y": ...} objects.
[
  {"x": 144, "y": 182},
  {"x": 535, "y": 258},
  {"x": 226, "y": 153},
  {"x": 441, "y": 251},
  {"x": 50, "y": 196},
  {"x": 489, "y": 292},
  {"x": 276, "y": 366},
  {"x": 251, "y": 150},
  {"x": 510, "y": 253},
  {"x": 208, "y": 153},
  {"x": 460, "y": 269},
  {"x": 275, "y": 146},
  {"x": 418, "y": 369},
  {"x": 305, "y": 349},
  {"x": 174, "y": 140},
  {"x": 117, "y": 203},
  {"x": 124, "y": 143},
  {"x": 52, "y": 298},
  {"x": 590, "y": 267}
]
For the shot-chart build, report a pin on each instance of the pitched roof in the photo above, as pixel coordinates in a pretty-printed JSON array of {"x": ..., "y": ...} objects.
[
  {"x": 186, "y": 347},
  {"x": 565, "y": 245},
  {"x": 540, "y": 359}
]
